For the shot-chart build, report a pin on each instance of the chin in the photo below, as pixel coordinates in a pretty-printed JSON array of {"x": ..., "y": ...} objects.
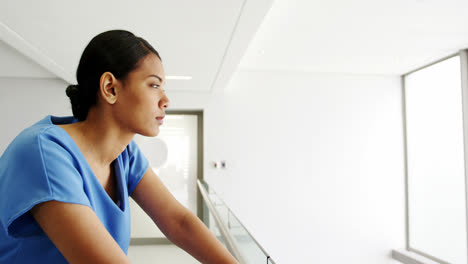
[
  {"x": 149, "y": 132},
  {"x": 153, "y": 132}
]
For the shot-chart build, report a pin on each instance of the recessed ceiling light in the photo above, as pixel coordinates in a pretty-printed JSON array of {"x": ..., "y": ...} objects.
[{"x": 174, "y": 77}]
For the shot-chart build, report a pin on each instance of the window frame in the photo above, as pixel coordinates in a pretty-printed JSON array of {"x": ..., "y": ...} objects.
[{"x": 411, "y": 256}]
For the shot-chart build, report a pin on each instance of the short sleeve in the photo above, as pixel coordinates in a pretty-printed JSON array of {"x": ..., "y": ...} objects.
[
  {"x": 138, "y": 165},
  {"x": 35, "y": 169}
]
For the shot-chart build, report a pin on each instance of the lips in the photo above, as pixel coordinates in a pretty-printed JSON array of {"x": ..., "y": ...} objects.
[{"x": 160, "y": 119}]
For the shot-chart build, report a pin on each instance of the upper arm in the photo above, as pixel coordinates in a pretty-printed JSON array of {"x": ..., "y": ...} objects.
[
  {"x": 78, "y": 233},
  {"x": 156, "y": 200}
]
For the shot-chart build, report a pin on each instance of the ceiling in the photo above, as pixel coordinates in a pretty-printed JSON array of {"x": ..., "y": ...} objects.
[
  {"x": 210, "y": 39},
  {"x": 359, "y": 36},
  {"x": 203, "y": 39}
]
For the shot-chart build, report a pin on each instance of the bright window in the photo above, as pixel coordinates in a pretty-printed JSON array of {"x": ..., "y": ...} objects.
[{"x": 435, "y": 156}]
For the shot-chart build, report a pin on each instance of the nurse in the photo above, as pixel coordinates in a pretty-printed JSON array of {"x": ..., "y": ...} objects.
[{"x": 65, "y": 182}]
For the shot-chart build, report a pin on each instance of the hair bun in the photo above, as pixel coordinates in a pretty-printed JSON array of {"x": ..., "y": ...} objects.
[
  {"x": 72, "y": 91},
  {"x": 78, "y": 109}
]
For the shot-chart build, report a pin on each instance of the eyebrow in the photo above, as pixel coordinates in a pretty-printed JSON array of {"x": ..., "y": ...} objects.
[{"x": 154, "y": 75}]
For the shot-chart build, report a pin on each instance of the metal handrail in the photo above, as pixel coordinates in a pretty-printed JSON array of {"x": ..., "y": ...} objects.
[
  {"x": 230, "y": 243},
  {"x": 225, "y": 233}
]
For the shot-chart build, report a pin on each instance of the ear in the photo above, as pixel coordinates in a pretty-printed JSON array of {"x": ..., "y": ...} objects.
[{"x": 109, "y": 87}]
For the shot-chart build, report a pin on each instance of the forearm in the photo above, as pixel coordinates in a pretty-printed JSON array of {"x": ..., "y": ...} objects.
[{"x": 195, "y": 238}]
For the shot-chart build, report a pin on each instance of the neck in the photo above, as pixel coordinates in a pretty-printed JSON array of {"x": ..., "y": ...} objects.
[{"x": 100, "y": 138}]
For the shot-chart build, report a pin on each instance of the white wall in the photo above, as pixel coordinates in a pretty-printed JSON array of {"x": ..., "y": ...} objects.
[
  {"x": 315, "y": 163},
  {"x": 23, "y": 102}
]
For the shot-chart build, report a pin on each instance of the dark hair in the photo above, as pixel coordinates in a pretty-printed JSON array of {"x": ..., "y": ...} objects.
[{"x": 115, "y": 51}]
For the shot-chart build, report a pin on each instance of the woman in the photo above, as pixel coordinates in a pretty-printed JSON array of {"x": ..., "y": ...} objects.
[{"x": 65, "y": 181}]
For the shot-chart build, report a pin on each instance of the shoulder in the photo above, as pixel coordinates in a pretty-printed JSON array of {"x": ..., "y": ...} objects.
[
  {"x": 131, "y": 151},
  {"x": 132, "y": 148},
  {"x": 33, "y": 141},
  {"x": 135, "y": 165}
]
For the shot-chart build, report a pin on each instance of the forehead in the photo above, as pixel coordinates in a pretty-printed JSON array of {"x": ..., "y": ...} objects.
[{"x": 149, "y": 65}]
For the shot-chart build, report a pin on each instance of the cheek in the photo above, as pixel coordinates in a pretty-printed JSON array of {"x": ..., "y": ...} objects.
[
  {"x": 128, "y": 109},
  {"x": 151, "y": 101},
  {"x": 145, "y": 107}
]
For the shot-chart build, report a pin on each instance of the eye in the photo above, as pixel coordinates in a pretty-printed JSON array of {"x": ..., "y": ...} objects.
[{"x": 155, "y": 85}]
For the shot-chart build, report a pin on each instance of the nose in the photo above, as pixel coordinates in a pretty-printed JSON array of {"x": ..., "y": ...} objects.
[{"x": 164, "y": 102}]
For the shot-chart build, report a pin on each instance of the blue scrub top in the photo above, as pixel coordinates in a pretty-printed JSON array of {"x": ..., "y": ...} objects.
[{"x": 43, "y": 163}]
